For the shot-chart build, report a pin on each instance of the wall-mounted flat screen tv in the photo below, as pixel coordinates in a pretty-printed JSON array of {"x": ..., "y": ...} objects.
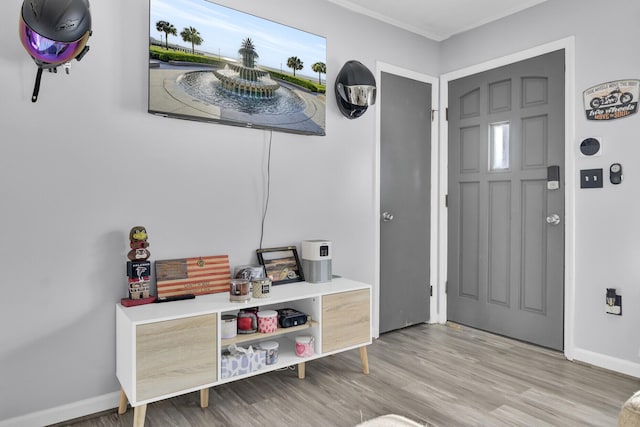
[{"x": 211, "y": 63}]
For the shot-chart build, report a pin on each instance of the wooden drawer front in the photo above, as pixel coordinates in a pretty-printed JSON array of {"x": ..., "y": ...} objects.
[
  {"x": 175, "y": 355},
  {"x": 346, "y": 320}
]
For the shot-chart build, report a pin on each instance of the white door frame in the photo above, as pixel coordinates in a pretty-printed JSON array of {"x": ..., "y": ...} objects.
[
  {"x": 433, "y": 277},
  {"x": 568, "y": 44}
]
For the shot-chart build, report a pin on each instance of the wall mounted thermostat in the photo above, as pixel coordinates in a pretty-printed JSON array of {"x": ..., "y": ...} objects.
[
  {"x": 615, "y": 173},
  {"x": 591, "y": 146}
]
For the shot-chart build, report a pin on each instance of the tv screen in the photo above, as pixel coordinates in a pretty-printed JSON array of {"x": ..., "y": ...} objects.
[{"x": 212, "y": 63}]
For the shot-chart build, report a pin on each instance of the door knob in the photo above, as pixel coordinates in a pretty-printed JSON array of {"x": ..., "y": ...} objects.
[
  {"x": 386, "y": 216},
  {"x": 553, "y": 219}
]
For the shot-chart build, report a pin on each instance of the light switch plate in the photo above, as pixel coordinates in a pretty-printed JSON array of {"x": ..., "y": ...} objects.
[{"x": 591, "y": 178}]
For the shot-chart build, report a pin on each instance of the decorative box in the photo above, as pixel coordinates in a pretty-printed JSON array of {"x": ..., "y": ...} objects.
[{"x": 242, "y": 361}]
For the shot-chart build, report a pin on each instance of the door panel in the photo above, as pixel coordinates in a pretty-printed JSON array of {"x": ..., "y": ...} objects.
[
  {"x": 499, "y": 242},
  {"x": 506, "y": 263},
  {"x": 405, "y": 175},
  {"x": 470, "y": 240},
  {"x": 175, "y": 354},
  {"x": 346, "y": 320}
]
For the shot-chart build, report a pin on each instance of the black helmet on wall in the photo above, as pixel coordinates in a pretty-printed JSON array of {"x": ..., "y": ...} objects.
[
  {"x": 355, "y": 89},
  {"x": 55, "y": 31}
]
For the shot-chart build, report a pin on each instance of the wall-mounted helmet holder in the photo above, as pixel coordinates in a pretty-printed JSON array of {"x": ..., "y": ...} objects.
[
  {"x": 54, "y": 32},
  {"x": 355, "y": 89}
]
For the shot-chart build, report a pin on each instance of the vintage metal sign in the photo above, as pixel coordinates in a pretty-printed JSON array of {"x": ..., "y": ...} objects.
[{"x": 612, "y": 100}]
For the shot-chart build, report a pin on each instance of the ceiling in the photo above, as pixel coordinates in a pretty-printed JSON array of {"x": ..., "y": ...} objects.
[{"x": 436, "y": 19}]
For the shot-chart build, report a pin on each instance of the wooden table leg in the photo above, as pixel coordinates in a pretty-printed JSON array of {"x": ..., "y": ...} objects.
[
  {"x": 122, "y": 404},
  {"x": 204, "y": 398},
  {"x": 301, "y": 370},
  {"x": 364, "y": 359},
  {"x": 139, "y": 412}
]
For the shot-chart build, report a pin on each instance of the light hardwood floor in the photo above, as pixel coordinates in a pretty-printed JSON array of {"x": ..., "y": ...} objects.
[{"x": 437, "y": 375}]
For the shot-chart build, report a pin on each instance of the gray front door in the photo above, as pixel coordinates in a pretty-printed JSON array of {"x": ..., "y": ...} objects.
[
  {"x": 506, "y": 247},
  {"x": 405, "y": 174}
]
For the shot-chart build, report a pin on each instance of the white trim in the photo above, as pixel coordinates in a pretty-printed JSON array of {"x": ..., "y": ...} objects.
[
  {"x": 65, "y": 412},
  {"x": 568, "y": 44},
  {"x": 607, "y": 362},
  {"x": 420, "y": 27},
  {"x": 422, "y": 31},
  {"x": 433, "y": 81}
]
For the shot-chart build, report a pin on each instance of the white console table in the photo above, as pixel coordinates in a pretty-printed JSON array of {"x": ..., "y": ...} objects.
[{"x": 168, "y": 349}]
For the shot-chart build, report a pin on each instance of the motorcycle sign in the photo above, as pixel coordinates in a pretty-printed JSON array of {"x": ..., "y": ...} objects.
[{"x": 613, "y": 100}]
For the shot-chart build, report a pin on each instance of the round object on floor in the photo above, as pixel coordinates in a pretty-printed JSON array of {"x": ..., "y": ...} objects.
[{"x": 630, "y": 413}]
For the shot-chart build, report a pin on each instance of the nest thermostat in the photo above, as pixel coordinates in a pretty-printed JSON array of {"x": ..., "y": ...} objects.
[{"x": 590, "y": 146}]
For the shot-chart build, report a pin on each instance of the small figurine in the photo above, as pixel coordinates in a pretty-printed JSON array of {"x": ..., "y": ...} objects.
[
  {"x": 138, "y": 268},
  {"x": 139, "y": 244}
]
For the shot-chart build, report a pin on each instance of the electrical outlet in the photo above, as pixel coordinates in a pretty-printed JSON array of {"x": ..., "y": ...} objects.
[
  {"x": 613, "y": 302},
  {"x": 613, "y": 309},
  {"x": 591, "y": 178}
]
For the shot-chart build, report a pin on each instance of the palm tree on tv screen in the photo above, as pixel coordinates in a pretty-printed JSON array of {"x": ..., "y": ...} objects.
[
  {"x": 166, "y": 28},
  {"x": 295, "y": 64},
  {"x": 320, "y": 68},
  {"x": 190, "y": 34}
]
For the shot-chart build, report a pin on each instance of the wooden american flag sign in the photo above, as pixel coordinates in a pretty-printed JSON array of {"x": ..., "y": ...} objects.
[{"x": 197, "y": 276}]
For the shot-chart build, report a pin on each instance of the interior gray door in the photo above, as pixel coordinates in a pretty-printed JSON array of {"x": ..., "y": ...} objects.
[
  {"x": 506, "y": 223},
  {"x": 405, "y": 156}
]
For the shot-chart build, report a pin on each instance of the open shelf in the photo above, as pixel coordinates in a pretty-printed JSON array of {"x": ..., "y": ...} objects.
[
  {"x": 286, "y": 357},
  {"x": 240, "y": 338}
]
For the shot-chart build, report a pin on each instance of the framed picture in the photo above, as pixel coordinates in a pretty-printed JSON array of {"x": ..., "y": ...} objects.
[{"x": 281, "y": 265}]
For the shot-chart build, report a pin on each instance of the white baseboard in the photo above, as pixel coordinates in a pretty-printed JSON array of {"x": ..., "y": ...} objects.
[
  {"x": 65, "y": 412},
  {"x": 607, "y": 362}
]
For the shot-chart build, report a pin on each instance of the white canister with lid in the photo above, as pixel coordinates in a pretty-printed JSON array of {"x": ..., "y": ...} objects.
[
  {"x": 271, "y": 348},
  {"x": 229, "y": 327}
]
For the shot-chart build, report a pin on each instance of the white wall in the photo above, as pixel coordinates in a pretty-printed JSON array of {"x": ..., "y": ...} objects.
[
  {"x": 86, "y": 162},
  {"x": 606, "y": 220}
]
